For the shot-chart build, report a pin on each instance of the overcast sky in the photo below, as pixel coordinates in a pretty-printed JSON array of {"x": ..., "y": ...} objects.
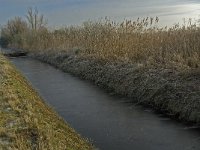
[{"x": 70, "y": 12}]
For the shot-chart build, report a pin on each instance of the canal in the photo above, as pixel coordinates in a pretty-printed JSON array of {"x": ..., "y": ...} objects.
[{"x": 110, "y": 122}]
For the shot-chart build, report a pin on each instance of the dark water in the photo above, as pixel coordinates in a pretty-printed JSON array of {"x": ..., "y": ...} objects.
[{"x": 108, "y": 121}]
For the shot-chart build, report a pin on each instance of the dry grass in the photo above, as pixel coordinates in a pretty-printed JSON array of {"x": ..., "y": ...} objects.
[
  {"x": 26, "y": 122},
  {"x": 141, "y": 41}
]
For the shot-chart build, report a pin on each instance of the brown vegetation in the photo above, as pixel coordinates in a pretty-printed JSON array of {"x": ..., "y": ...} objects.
[{"x": 141, "y": 41}]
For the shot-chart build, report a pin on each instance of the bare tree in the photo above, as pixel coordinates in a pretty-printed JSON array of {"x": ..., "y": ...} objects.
[{"x": 36, "y": 21}]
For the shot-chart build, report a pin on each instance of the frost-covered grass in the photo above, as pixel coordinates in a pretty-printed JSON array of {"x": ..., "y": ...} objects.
[{"x": 173, "y": 92}]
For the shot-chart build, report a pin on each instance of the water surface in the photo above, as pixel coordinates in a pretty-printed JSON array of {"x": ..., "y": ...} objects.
[{"x": 108, "y": 121}]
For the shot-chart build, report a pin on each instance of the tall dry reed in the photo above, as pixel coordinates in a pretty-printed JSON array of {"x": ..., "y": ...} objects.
[{"x": 141, "y": 41}]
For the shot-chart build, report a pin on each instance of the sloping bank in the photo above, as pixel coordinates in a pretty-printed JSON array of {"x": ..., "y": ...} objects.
[
  {"x": 173, "y": 92},
  {"x": 26, "y": 122}
]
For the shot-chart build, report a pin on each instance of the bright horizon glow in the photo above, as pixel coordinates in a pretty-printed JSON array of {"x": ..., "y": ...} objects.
[{"x": 74, "y": 12}]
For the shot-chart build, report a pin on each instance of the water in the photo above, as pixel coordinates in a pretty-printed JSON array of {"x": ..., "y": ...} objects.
[{"x": 110, "y": 122}]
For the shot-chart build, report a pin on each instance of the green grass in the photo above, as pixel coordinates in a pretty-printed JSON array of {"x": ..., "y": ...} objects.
[{"x": 26, "y": 122}]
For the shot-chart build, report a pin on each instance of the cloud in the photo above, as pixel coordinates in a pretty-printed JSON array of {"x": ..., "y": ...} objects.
[{"x": 60, "y": 12}]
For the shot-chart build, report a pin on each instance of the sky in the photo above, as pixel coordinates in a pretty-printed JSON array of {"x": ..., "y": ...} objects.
[{"x": 75, "y": 12}]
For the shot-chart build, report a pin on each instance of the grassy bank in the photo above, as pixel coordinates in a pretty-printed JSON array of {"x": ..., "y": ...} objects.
[
  {"x": 26, "y": 122},
  {"x": 176, "y": 93}
]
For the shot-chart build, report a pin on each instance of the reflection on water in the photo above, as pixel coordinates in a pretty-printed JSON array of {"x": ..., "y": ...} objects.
[{"x": 111, "y": 123}]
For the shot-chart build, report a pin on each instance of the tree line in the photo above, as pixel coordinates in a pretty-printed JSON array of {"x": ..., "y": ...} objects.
[{"x": 19, "y": 31}]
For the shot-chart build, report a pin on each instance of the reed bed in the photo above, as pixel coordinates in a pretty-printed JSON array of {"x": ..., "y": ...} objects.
[{"x": 141, "y": 41}]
